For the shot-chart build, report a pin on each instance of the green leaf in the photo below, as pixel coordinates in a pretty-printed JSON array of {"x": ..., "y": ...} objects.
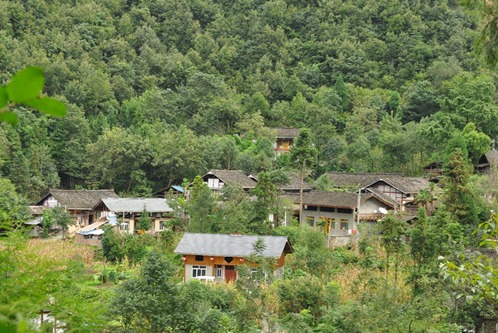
[
  {"x": 4, "y": 327},
  {"x": 26, "y": 84},
  {"x": 47, "y": 105},
  {"x": 10, "y": 117},
  {"x": 3, "y": 97},
  {"x": 470, "y": 299}
]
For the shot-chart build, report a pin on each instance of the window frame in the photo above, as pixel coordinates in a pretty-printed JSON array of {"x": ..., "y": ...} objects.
[
  {"x": 199, "y": 269},
  {"x": 310, "y": 218},
  {"x": 219, "y": 272},
  {"x": 344, "y": 222}
]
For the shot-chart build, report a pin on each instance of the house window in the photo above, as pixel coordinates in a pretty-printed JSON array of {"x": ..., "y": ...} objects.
[
  {"x": 327, "y": 209},
  {"x": 329, "y": 223},
  {"x": 219, "y": 271},
  {"x": 124, "y": 226},
  {"x": 310, "y": 220},
  {"x": 198, "y": 271},
  {"x": 312, "y": 208},
  {"x": 199, "y": 258},
  {"x": 344, "y": 210},
  {"x": 345, "y": 224},
  {"x": 162, "y": 225}
]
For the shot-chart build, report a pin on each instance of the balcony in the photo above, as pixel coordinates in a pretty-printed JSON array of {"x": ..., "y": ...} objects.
[{"x": 369, "y": 216}]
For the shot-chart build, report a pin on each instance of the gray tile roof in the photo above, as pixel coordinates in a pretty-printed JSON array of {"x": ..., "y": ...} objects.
[
  {"x": 492, "y": 158},
  {"x": 357, "y": 179},
  {"x": 294, "y": 185},
  {"x": 286, "y": 132},
  {"x": 408, "y": 184},
  {"x": 136, "y": 205},
  {"x": 333, "y": 199},
  {"x": 78, "y": 199},
  {"x": 397, "y": 180},
  {"x": 231, "y": 245},
  {"x": 233, "y": 176}
]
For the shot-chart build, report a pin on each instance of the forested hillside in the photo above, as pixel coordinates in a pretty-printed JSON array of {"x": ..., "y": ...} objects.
[{"x": 157, "y": 90}]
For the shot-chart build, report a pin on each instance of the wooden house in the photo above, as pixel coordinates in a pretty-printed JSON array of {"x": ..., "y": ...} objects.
[
  {"x": 399, "y": 188},
  {"x": 214, "y": 257},
  {"x": 487, "y": 161},
  {"x": 338, "y": 213},
  {"x": 434, "y": 172},
  {"x": 216, "y": 179},
  {"x": 294, "y": 185},
  {"x": 129, "y": 211},
  {"x": 285, "y": 139},
  {"x": 79, "y": 203}
]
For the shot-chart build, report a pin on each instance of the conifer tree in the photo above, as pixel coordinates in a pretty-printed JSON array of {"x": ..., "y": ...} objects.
[
  {"x": 303, "y": 153},
  {"x": 340, "y": 89}
]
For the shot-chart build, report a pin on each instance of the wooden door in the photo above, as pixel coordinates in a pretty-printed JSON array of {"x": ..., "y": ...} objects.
[{"x": 230, "y": 273}]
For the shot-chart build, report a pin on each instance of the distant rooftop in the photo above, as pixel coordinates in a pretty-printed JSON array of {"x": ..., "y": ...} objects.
[
  {"x": 78, "y": 199},
  {"x": 286, "y": 132},
  {"x": 231, "y": 245},
  {"x": 136, "y": 205}
]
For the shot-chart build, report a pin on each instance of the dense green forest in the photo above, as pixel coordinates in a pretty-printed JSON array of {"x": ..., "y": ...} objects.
[{"x": 159, "y": 91}]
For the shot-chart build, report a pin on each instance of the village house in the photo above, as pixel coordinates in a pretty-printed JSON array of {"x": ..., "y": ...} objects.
[
  {"x": 129, "y": 210},
  {"x": 434, "y": 172},
  {"x": 285, "y": 138},
  {"x": 487, "y": 161},
  {"x": 336, "y": 212},
  {"x": 92, "y": 234},
  {"x": 79, "y": 203},
  {"x": 401, "y": 189},
  {"x": 216, "y": 179},
  {"x": 214, "y": 257}
]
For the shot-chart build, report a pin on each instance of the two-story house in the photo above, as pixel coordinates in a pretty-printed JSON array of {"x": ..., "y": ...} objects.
[
  {"x": 337, "y": 211},
  {"x": 285, "y": 138}
]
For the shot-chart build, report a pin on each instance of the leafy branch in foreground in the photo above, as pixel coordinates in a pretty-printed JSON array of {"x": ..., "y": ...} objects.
[
  {"x": 478, "y": 278},
  {"x": 25, "y": 88}
]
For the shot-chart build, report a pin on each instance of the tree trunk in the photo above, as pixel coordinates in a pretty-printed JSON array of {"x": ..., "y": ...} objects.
[{"x": 301, "y": 198}]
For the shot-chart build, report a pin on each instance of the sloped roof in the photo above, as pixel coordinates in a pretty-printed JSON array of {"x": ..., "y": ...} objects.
[
  {"x": 294, "y": 185},
  {"x": 136, "y": 205},
  {"x": 78, "y": 199},
  {"x": 408, "y": 184},
  {"x": 91, "y": 227},
  {"x": 231, "y": 245},
  {"x": 492, "y": 157},
  {"x": 333, "y": 199},
  {"x": 286, "y": 132},
  {"x": 357, "y": 179},
  {"x": 233, "y": 176},
  {"x": 384, "y": 197}
]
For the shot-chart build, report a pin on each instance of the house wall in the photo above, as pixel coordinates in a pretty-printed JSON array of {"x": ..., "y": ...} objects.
[
  {"x": 369, "y": 206},
  {"x": 213, "y": 182},
  {"x": 157, "y": 223},
  {"x": 211, "y": 264},
  {"x": 372, "y": 205},
  {"x": 94, "y": 241},
  {"x": 390, "y": 191},
  {"x": 336, "y": 215}
]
